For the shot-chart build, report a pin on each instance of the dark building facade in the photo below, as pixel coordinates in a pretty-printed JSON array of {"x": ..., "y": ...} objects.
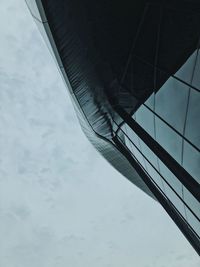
[{"x": 133, "y": 73}]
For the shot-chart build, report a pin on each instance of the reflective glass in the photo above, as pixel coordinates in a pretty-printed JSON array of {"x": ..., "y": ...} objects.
[
  {"x": 174, "y": 199},
  {"x": 185, "y": 72},
  {"x": 192, "y": 131},
  {"x": 196, "y": 77},
  {"x": 146, "y": 119},
  {"x": 134, "y": 138},
  {"x": 171, "y": 178},
  {"x": 150, "y": 102},
  {"x": 192, "y": 202},
  {"x": 171, "y": 101},
  {"x": 155, "y": 176},
  {"x": 149, "y": 154},
  {"x": 169, "y": 139},
  {"x": 194, "y": 223},
  {"x": 128, "y": 143},
  {"x": 191, "y": 161}
]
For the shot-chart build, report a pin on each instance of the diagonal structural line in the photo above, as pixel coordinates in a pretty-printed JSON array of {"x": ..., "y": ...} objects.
[
  {"x": 164, "y": 201},
  {"x": 182, "y": 175},
  {"x": 163, "y": 120},
  {"x": 134, "y": 43},
  {"x": 182, "y": 200},
  {"x": 187, "y": 106},
  {"x": 166, "y": 72}
]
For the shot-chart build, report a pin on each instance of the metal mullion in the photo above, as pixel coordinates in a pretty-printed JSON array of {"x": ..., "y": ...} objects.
[
  {"x": 163, "y": 120},
  {"x": 182, "y": 200},
  {"x": 166, "y": 72},
  {"x": 170, "y": 126},
  {"x": 186, "y": 229},
  {"x": 134, "y": 43},
  {"x": 183, "y": 176}
]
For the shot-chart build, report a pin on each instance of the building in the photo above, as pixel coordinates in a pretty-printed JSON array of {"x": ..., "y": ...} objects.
[{"x": 133, "y": 73}]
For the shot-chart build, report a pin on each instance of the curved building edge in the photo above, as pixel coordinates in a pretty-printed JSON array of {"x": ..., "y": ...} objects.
[{"x": 103, "y": 144}]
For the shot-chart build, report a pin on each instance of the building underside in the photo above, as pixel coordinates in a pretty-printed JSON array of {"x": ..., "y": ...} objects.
[{"x": 133, "y": 73}]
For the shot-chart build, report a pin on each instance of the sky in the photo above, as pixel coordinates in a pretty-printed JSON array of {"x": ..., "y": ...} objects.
[{"x": 61, "y": 203}]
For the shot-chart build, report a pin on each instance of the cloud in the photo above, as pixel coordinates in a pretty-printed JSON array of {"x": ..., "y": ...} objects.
[{"x": 61, "y": 204}]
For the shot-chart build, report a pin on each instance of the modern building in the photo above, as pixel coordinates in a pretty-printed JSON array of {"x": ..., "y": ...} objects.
[{"x": 133, "y": 72}]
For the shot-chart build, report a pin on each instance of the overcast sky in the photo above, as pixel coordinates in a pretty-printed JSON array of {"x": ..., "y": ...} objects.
[{"x": 61, "y": 203}]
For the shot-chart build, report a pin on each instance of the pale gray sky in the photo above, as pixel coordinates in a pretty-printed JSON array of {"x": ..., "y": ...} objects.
[{"x": 61, "y": 203}]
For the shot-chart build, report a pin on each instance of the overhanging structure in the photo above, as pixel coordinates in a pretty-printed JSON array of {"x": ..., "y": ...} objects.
[{"x": 133, "y": 72}]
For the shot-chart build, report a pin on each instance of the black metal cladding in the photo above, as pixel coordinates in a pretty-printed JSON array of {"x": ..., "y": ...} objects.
[
  {"x": 100, "y": 37},
  {"x": 134, "y": 72}
]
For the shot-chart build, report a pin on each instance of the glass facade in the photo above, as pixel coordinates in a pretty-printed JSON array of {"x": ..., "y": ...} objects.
[{"x": 171, "y": 117}]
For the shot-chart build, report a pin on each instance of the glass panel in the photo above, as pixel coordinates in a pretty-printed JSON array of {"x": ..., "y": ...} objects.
[
  {"x": 128, "y": 143},
  {"x": 174, "y": 199},
  {"x": 192, "y": 131},
  {"x": 191, "y": 161},
  {"x": 134, "y": 138},
  {"x": 193, "y": 222},
  {"x": 155, "y": 176},
  {"x": 171, "y": 102},
  {"x": 169, "y": 139},
  {"x": 185, "y": 72},
  {"x": 192, "y": 202},
  {"x": 150, "y": 102},
  {"x": 171, "y": 178},
  {"x": 149, "y": 154},
  {"x": 139, "y": 157},
  {"x": 196, "y": 78},
  {"x": 146, "y": 119}
]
